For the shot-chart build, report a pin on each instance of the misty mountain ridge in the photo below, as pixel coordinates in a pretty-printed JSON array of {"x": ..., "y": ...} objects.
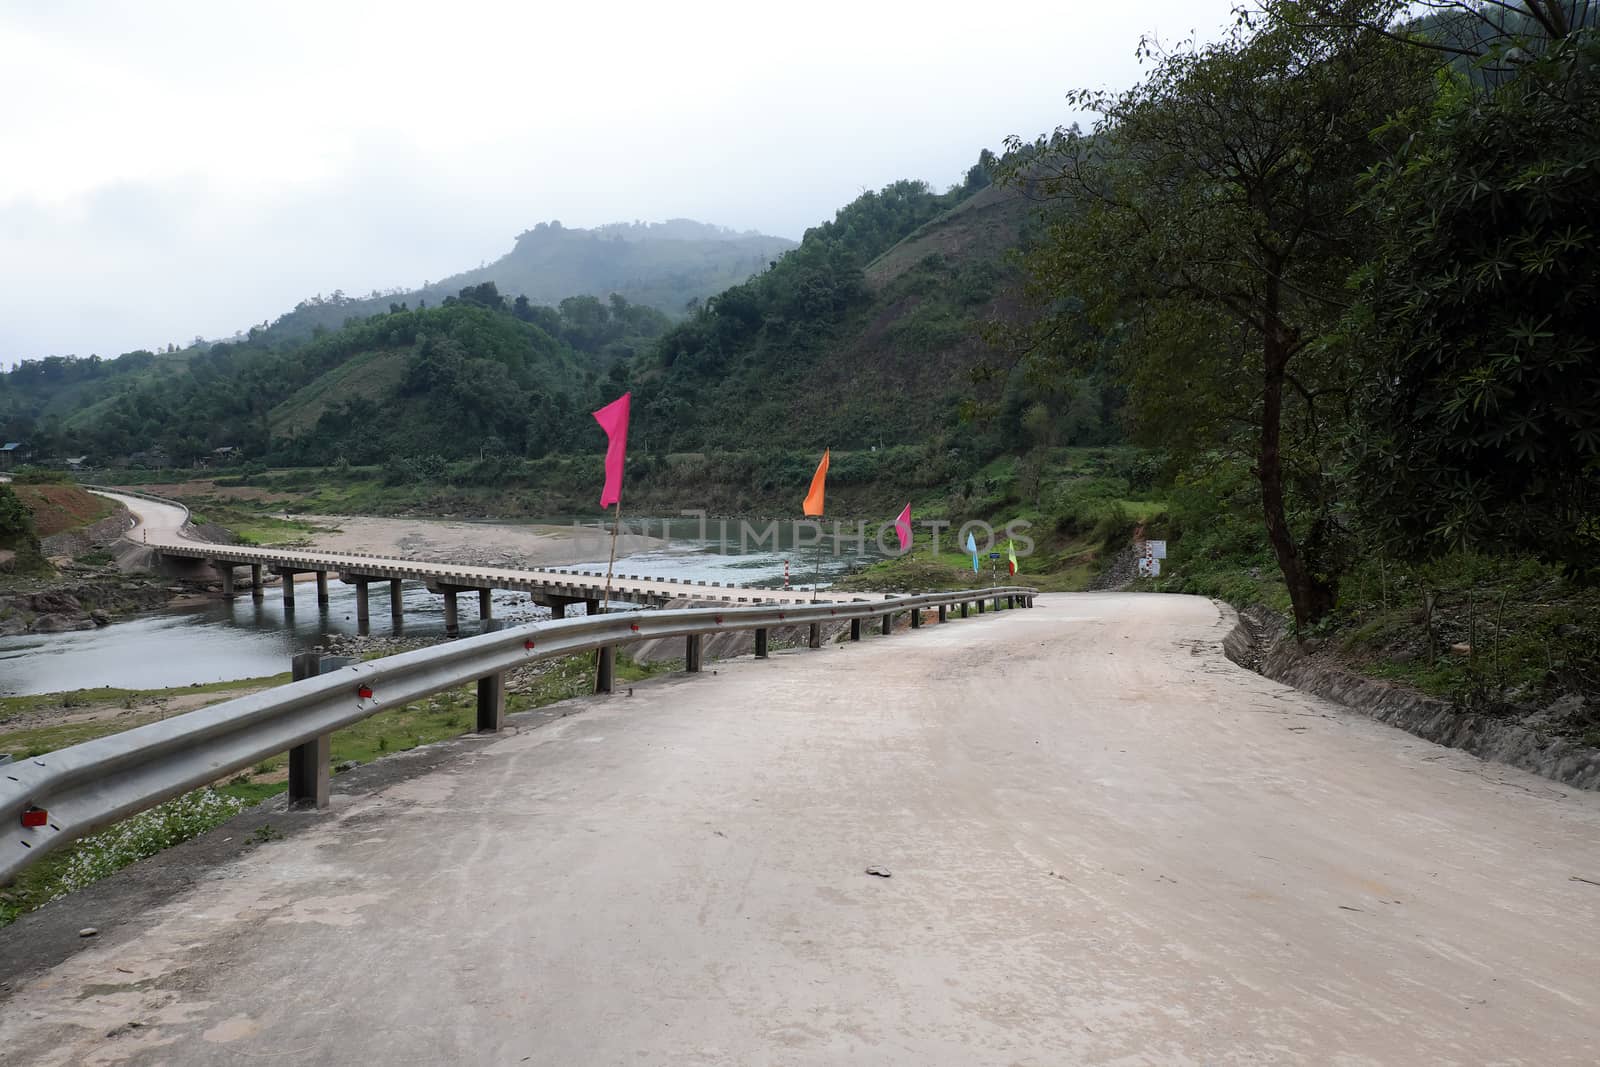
[{"x": 670, "y": 266}]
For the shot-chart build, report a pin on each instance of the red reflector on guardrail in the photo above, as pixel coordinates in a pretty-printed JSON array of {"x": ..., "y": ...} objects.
[
  {"x": 634, "y": 627},
  {"x": 528, "y": 645},
  {"x": 365, "y": 692},
  {"x": 32, "y": 817}
]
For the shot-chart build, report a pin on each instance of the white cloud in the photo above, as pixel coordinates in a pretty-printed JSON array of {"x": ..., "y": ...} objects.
[{"x": 183, "y": 168}]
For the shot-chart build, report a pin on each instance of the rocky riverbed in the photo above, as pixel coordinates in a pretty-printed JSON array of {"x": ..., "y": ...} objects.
[{"x": 80, "y": 599}]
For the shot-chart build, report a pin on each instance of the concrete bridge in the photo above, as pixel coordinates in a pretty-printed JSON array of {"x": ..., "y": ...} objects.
[{"x": 163, "y": 525}]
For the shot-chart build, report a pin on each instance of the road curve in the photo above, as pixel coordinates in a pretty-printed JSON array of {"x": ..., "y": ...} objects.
[
  {"x": 1107, "y": 845},
  {"x": 155, "y": 523}
]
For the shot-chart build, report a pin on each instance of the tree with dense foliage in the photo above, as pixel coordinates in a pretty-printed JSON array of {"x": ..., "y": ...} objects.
[
  {"x": 1208, "y": 233},
  {"x": 1481, "y": 419}
]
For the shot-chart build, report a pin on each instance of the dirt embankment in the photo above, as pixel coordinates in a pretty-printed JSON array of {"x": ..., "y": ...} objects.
[{"x": 1523, "y": 736}]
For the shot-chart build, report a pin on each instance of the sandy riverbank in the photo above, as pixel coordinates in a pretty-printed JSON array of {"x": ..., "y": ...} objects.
[{"x": 474, "y": 543}]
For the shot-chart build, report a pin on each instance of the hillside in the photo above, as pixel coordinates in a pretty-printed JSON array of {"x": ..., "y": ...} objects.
[
  {"x": 864, "y": 336},
  {"x": 663, "y": 265}
]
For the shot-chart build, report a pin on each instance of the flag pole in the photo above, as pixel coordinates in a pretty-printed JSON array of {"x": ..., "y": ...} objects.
[
  {"x": 616, "y": 523},
  {"x": 605, "y": 601},
  {"x": 816, "y": 573}
]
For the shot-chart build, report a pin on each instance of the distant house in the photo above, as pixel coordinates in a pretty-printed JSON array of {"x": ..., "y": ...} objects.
[
  {"x": 11, "y": 453},
  {"x": 222, "y": 457},
  {"x": 153, "y": 459},
  {"x": 76, "y": 463}
]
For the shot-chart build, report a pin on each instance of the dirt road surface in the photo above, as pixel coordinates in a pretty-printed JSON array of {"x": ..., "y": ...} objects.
[{"x": 1107, "y": 845}]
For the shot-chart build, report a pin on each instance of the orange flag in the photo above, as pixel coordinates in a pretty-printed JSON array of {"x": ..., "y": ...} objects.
[{"x": 819, "y": 481}]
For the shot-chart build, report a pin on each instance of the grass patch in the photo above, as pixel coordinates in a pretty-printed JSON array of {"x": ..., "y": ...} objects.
[{"x": 104, "y": 853}]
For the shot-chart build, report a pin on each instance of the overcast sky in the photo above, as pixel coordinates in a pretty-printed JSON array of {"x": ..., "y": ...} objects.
[{"x": 182, "y": 169}]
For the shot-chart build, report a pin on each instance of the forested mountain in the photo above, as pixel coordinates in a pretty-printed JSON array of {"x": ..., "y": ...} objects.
[
  {"x": 863, "y": 335},
  {"x": 663, "y": 265}
]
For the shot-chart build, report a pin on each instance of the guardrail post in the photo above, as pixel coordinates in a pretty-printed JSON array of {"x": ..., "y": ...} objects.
[
  {"x": 814, "y": 638},
  {"x": 997, "y": 602},
  {"x": 980, "y": 605},
  {"x": 888, "y": 622},
  {"x": 916, "y": 618},
  {"x": 452, "y": 622},
  {"x": 485, "y": 606},
  {"x": 225, "y": 572},
  {"x": 492, "y": 703},
  {"x": 761, "y": 643},
  {"x": 964, "y": 606},
  {"x": 1011, "y": 601},
  {"x": 691, "y": 654},
  {"x": 309, "y": 762},
  {"x": 322, "y": 588},
  {"x": 256, "y": 591},
  {"x": 397, "y": 605},
  {"x": 943, "y": 616},
  {"x": 605, "y": 674},
  {"x": 855, "y": 629}
]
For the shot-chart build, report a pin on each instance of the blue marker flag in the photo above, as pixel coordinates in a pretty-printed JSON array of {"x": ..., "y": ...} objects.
[{"x": 972, "y": 546}]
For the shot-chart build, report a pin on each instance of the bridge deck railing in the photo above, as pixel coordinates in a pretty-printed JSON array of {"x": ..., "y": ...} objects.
[{"x": 49, "y": 800}]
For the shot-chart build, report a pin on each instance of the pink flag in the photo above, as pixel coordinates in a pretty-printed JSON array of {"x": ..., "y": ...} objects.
[
  {"x": 902, "y": 528},
  {"x": 613, "y": 419}
]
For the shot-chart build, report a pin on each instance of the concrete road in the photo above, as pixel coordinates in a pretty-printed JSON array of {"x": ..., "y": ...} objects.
[
  {"x": 154, "y": 523},
  {"x": 1107, "y": 845}
]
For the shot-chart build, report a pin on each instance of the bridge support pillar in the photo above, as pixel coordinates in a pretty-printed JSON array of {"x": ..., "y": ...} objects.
[
  {"x": 397, "y": 604},
  {"x": 492, "y": 703},
  {"x": 309, "y": 762},
  {"x": 322, "y": 588},
  {"x": 485, "y": 606},
  {"x": 363, "y": 615},
  {"x": 225, "y": 572},
  {"x": 256, "y": 591},
  {"x": 558, "y": 609},
  {"x": 692, "y": 654},
  {"x": 888, "y": 622},
  {"x": 916, "y": 618},
  {"x": 944, "y": 613},
  {"x": 287, "y": 578},
  {"x": 814, "y": 637},
  {"x": 761, "y": 643},
  {"x": 452, "y": 622},
  {"x": 606, "y": 669},
  {"x": 591, "y": 607},
  {"x": 855, "y": 629}
]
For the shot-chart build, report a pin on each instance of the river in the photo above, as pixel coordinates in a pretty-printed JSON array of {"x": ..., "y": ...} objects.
[{"x": 224, "y": 640}]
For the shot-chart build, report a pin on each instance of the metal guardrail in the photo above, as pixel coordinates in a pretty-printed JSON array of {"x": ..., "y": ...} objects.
[{"x": 47, "y": 801}]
